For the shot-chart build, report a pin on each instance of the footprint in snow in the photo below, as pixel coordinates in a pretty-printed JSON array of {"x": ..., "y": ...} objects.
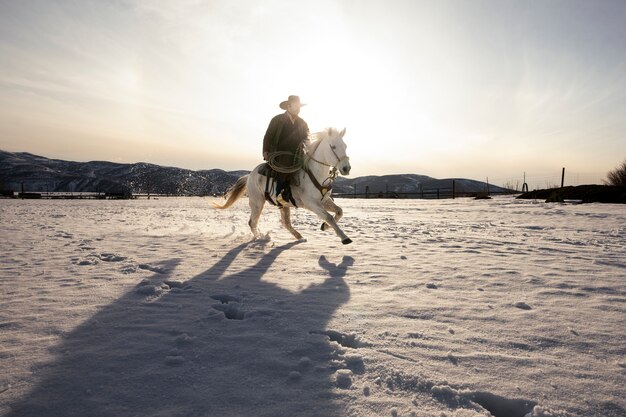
[
  {"x": 184, "y": 339},
  {"x": 225, "y": 298},
  {"x": 151, "y": 268},
  {"x": 343, "y": 378},
  {"x": 229, "y": 305},
  {"x": 111, "y": 257},
  {"x": 174, "y": 360},
  {"x": 85, "y": 262}
]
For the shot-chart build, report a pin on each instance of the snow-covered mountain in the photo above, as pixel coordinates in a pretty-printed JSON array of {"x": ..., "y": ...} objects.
[
  {"x": 410, "y": 184},
  {"x": 40, "y": 174}
]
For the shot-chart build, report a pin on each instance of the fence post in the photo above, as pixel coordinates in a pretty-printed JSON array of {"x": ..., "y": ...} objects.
[{"x": 562, "y": 177}]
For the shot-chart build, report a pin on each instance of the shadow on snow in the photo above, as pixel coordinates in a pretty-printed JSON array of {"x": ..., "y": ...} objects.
[{"x": 220, "y": 345}]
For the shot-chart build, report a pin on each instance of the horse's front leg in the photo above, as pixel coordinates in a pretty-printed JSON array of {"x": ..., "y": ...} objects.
[
  {"x": 329, "y": 205},
  {"x": 285, "y": 217},
  {"x": 327, "y": 218}
]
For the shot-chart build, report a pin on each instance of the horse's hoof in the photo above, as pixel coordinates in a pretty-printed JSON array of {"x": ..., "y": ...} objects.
[
  {"x": 323, "y": 226},
  {"x": 346, "y": 241}
]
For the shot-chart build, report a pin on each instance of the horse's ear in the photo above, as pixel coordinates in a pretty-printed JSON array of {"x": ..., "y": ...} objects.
[{"x": 343, "y": 132}]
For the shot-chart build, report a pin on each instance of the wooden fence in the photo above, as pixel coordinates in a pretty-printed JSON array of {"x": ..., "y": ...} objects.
[{"x": 432, "y": 194}]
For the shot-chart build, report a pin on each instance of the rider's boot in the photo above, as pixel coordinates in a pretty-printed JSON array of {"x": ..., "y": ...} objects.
[{"x": 280, "y": 190}]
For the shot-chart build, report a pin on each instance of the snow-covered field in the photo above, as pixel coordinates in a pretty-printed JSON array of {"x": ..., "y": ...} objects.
[{"x": 439, "y": 308}]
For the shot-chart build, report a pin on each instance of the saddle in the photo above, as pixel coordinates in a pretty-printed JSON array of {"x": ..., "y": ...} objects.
[{"x": 282, "y": 187}]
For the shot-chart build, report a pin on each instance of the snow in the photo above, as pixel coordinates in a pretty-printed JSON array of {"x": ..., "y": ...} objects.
[{"x": 439, "y": 308}]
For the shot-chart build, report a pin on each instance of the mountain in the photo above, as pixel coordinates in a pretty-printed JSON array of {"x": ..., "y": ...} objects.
[
  {"x": 408, "y": 184},
  {"x": 40, "y": 174}
]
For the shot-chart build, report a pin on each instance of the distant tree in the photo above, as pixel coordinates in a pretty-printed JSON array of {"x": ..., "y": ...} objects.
[{"x": 617, "y": 176}]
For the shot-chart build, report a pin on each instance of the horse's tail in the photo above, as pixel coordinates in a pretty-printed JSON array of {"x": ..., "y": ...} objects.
[{"x": 233, "y": 193}]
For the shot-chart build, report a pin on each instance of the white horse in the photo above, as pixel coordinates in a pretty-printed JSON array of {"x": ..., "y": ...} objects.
[{"x": 311, "y": 188}]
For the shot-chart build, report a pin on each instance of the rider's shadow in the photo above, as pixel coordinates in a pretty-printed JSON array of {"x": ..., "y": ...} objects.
[{"x": 225, "y": 344}]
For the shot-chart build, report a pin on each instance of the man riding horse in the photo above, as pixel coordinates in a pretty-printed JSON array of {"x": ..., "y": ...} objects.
[{"x": 283, "y": 146}]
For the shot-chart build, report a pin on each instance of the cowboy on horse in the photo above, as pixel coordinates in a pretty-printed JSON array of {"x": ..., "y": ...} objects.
[
  {"x": 303, "y": 171},
  {"x": 283, "y": 147}
]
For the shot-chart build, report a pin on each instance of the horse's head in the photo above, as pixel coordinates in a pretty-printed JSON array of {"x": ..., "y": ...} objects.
[{"x": 333, "y": 150}]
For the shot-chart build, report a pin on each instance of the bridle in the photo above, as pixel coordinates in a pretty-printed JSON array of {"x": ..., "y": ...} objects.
[{"x": 334, "y": 167}]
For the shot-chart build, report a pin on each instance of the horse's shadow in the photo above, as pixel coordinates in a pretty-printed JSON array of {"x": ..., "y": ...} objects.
[{"x": 221, "y": 345}]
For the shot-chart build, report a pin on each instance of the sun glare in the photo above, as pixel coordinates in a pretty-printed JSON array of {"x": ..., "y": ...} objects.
[
  {"x": 378, "y": 110},
  {"x": 128, "y": 79}
]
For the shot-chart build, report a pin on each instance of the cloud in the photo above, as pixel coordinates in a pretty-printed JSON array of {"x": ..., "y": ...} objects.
[{"x": 424, "y": 77}]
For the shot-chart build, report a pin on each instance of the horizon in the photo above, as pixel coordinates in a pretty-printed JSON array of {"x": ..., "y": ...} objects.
[
  {"x": 534, "y": 182},
  {"x": 449, "y": 89}
]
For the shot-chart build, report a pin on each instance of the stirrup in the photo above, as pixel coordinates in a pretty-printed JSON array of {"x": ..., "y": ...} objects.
[
  {"x": 285, "y": 197},
  {"x": 281, "y": 201}
]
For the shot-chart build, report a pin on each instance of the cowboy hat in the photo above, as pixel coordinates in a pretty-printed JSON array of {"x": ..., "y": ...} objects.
[{"x": 290, "y": 100}]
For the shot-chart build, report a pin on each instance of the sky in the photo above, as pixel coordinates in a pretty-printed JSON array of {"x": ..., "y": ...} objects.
[{"x": 475, "y": 89}]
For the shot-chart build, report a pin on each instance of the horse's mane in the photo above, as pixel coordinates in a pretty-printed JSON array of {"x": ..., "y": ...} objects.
[{"x": 318, "y": 137}]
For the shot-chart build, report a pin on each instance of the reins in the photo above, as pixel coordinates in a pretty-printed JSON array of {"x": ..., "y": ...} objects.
[
  {"x": 327, "y": 184},
  {"x": 323, "y": 189}
]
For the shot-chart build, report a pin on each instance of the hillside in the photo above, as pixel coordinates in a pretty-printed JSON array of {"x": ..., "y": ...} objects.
[
  {"x": 40, "y": 174},
  {"x": 582, "y": 193},
  {"x": 407, "y": 184}
]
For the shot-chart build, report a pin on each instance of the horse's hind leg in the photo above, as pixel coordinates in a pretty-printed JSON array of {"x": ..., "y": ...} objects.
[
  {"x": 330, "y": 205},
  {"x": 285, "y": 217},
  {"x": 256, "y": 207}
]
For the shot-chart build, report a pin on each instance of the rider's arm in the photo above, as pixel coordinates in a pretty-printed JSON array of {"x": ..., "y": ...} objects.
[
  {"x": 271, "y": 137},
  {"x": 307, "y": 136}
]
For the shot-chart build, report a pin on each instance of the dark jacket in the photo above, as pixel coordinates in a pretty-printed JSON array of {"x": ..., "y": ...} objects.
[{"x": 282, "y": 135}]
